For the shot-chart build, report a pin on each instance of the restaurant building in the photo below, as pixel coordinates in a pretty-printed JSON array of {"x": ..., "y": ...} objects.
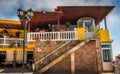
[{"x": 67, "y": 40}]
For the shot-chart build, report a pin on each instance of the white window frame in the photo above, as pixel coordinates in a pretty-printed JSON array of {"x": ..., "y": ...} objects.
[{"x": 109, "y": 48}]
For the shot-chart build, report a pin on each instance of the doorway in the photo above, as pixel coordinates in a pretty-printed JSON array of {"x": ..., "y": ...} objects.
[
  {"x": 89, "y": 28},
  {"x": 88, "y": 24},
  {"x": 29, "y": 56},
  {"x": 2, "y": 58}
]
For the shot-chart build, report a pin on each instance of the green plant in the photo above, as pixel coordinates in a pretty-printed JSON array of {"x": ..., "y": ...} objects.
[{"x": 5, "y": 32}]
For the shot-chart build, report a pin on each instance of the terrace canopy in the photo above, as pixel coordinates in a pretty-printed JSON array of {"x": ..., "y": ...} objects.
[{"x": 63, "y": 14}]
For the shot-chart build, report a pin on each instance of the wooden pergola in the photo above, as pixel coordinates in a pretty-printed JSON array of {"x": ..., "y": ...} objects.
[{"x": 65, "y": 13}]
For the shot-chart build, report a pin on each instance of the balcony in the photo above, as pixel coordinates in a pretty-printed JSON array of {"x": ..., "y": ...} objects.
[
  {"x": 53, "y": 36},
  {"x": 78, "y": 34},
  {"x": 11, "y": 42}
]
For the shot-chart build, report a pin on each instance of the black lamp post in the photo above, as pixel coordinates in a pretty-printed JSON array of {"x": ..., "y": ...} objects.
[{"x": 26, "y": 17}]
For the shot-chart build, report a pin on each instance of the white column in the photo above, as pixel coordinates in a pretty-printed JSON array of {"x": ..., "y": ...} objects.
[{"x": 4, "y": 40}]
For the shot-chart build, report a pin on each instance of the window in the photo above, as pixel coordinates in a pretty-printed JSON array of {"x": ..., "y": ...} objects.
[
  {"x": 106, "y": 52},
  {"x": 89, "y": 26},
  {"x": 106, "y": 46},
  {"x": 106, "y": 56}
]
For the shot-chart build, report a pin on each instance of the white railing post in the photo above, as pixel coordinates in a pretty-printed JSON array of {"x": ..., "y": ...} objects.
[
  {"x": 75, "y": 34},
  {"x": 28, "y": 36},
  {"x": 4, "y": 40}
]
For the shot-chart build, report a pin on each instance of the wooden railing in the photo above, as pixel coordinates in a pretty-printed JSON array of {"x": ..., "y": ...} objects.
[
  {"x": 8, "y": 41},
  {"x": 53, "y": 36}
]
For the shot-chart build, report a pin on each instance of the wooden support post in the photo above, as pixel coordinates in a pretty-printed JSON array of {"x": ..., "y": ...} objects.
[
  {"x": 98, "y": 57},
  {"x": 105, "y": 23},
  {"x": 73, "y": 63},
  {"x": 58, "y": 24},
  {"x": 28, "y": 27}
]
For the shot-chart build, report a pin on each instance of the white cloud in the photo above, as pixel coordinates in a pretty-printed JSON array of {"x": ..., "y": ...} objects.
[
  {"x": 51, "y": 4},
  {"x": 8, "y": 8},
  {"x": 114, "y": 19}
]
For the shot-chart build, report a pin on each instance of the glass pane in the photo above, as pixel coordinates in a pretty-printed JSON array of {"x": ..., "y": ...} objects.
[
  {"x": 89, "y": 25},
  {"x": 106, "y": 56}
]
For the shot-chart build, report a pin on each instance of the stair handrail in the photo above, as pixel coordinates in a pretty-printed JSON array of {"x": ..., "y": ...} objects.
[
  {"x": 57, "y": 49},
  {"x": 54, "y": 51}
]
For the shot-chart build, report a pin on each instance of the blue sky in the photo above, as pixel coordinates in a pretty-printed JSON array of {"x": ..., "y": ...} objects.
[{"x": 8, "y": 10}]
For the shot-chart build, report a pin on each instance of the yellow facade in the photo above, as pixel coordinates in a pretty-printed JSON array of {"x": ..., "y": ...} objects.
[
  {"x": 103, "y": 35},
  {"x": 19, "y": 53},
  {"x": 15, "y": 49},
  {"x": 10, "y": 22},
  {"x": 80, "y": 33},
  {"x": 31, "y": 46},
  {"x": 12, "y": 32}
]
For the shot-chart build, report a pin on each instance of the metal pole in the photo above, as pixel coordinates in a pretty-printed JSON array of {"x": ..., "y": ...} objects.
[
  {"x": 105, "y": 23},
  {"x": 24, "y": 42}
]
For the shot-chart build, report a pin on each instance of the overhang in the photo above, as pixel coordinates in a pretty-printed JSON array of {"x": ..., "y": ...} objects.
[
  {"x": 62, "y": 13},
  {"x": 73, "y": 13}
]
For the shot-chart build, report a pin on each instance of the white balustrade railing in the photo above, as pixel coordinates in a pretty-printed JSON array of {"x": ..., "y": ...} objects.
[
  {"x": 7, "y": 41},
  {"x": 53, "y": 36}
]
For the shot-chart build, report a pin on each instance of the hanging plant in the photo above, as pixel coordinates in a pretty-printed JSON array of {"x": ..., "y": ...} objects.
[
  {"x": 5, "y": 32},
  {"x": 1, "y": 35}
]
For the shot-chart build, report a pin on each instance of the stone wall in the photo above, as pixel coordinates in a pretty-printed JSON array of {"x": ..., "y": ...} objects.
[
  {"x": 85, "y": 61},
  {"x": 85, "y": 58},
  {"x": 61, "y": 67},
  {"x": 45, "y": 47}
]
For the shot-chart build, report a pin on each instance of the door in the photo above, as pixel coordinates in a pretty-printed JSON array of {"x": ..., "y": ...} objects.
[
  {"x": 29, "y": 56},
  {"x": 2, "y": 58},
  {"x": 89, "y": 29}
]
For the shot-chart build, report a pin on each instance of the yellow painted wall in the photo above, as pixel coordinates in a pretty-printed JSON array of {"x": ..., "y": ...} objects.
[
  {"x": 13, "y": 32},
  {"x": 19, "y": 53},
  {"x": 9, "y": 22},
  {"x": 104, "y": 36},
  {"x": 9, "y": 55},
  {"x": 31, "y": 46},
  {"x": 80, "y": 33},
  {"x": 5, "y": 49}
]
